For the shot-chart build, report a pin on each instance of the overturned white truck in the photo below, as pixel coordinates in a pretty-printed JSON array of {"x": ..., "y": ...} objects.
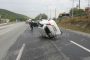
[{"x": 49, "y": 28}]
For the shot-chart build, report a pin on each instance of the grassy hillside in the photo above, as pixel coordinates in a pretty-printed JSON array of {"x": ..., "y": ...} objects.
[
  {"x": 77, "y": 23},
  {"x": 11, "y": 15}
]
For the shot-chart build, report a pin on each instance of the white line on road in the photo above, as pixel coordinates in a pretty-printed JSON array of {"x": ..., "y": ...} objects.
[
  {"x": 20, "y": 52},
  {"x": 80, "y": 46}
]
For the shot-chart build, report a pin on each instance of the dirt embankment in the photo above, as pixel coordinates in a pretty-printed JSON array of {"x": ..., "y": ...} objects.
[{"x": 77, "y": 23}]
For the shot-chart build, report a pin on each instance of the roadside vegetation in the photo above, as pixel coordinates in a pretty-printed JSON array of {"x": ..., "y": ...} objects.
[
  {"x": 5, "y": 14},
  {"x": 41, "y": 16},
  {"x": 80, "y": 21}
]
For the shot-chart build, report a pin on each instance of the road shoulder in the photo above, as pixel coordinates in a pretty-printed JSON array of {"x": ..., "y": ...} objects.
[{"x": 78, "y": 32}]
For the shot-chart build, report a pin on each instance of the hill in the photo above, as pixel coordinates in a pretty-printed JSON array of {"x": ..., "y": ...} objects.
[
  {"x": 77, "y": 23},
  {"x": 5, "y": 14}
]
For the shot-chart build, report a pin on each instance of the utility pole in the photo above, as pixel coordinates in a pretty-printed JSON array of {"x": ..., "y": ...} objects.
[
  {"x": 40, "y": 18},
  {"x": 72, "y": 7},
  {"x": 79, "y": 4},
  {"x": 50, "y": 13},
  {"x": 89, "y": 3},
  {"x": 89, "y": 7},
  {"x": 0, "y": 18},
  {"x": 55, "y": 13}
]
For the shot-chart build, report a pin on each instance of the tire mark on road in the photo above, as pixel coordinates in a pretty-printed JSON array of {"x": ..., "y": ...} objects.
[{"x": 59, "y": 51}]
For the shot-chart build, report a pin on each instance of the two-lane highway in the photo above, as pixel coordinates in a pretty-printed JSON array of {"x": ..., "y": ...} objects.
[
  {"x": 8, "y": 36},
  {"x": 69, "y": 46}
]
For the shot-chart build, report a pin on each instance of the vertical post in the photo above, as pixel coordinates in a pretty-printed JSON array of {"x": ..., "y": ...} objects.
[
  {"x": 50, "y": 13},
  {"x": 55, "y": 13},
  {"x": 72, "y": 8},
  {"x": 79, "y": 3},
  {"x": 89, "y": 3},
  {"x": 0, "y": 18},
  {"x": 89, "y": 7},
  {"x": 40, "y": 18}
]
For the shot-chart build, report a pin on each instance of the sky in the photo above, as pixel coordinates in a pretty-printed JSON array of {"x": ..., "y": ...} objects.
[{"x": 32, "y": 8}]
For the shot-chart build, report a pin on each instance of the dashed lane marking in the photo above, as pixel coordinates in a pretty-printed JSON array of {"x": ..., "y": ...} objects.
[
  {"x": 80, "y": 46},
  {"x": 20, "y": 52}
]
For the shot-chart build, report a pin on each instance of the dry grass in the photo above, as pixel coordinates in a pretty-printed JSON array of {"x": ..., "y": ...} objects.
[{"x": 77, "y": 23}]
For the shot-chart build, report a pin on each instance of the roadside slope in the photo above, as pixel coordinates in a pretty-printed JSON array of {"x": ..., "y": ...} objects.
[{"x": 77, "y": 23}]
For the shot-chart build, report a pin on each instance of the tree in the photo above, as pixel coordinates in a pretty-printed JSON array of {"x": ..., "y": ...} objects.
[
  {"x": 5, "y": 14},
  {"x": 54, "y": 18},
  {"x": 77, "y": 12},
  {"x": 41, "y": 16}
]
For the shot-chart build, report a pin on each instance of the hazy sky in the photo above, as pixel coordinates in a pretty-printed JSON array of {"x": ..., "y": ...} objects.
[{"x": 32, "y": 8}]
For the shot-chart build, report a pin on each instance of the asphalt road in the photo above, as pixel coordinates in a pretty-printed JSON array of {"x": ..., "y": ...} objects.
[
  {"x": 8, "y": 36},
  {"x": 30, "y": 46}
]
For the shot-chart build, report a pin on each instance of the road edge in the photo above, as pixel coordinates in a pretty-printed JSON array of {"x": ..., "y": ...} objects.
[{"x": 78, "y": 32}]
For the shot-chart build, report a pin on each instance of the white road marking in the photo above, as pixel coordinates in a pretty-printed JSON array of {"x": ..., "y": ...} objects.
[
  {"x": 80, "y": 46},
  {"x": 20, "y": 52}
]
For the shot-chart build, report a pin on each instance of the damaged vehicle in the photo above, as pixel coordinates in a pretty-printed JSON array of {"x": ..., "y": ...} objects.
[{"x": 49, "y": 28}]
